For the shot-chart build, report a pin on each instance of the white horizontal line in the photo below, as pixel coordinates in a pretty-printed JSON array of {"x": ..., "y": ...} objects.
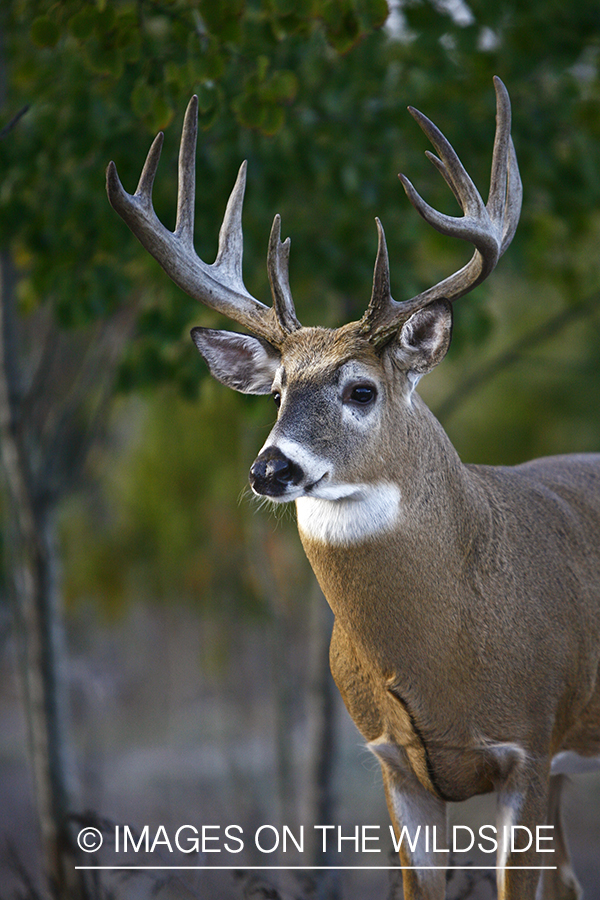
[{"x": 312, "y": 868}]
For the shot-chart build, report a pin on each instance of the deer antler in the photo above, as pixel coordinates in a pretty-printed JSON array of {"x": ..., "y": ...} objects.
[
  {"x": 219, "y": 286},
  {"x": 490, "y": 227}
]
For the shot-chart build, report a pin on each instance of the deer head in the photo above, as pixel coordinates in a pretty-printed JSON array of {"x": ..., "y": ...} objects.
[{"x": 335, "y": 389}]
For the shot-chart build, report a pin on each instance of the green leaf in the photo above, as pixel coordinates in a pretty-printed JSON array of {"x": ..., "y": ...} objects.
[
  {"x": 222, "y": 17},
  {"x": 106, "y": 19},
  {"x": 127, "y": 37},
  {"x": 262, "y": 67},
  {"x": 342, "y": 25},
  {"x": 175, "y": 74},
  {"x": 284, "y": 7},
  {"x": 283, "y": 86},
  {"x": 104, "y": 59},
  {"x": 374, "y": 13},
  {"x": 142, "y": 98},
  {"x": 247, "y": 110},
  {"x": 272, "y": 119},
  {"x": 83, "y": 24},
  {"x": 45, "y": 32},
  {"x": 206, "y": 63},
  {"x": 207, "y": 120},
  {"x": 207, "y": 97},
  {"x": 161, "y": 113}
]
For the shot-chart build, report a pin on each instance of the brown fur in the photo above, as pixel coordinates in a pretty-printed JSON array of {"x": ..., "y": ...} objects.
[{"x": 475, "y": 625}]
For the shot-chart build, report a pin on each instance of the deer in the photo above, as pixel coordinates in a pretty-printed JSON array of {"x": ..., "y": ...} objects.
[{"x": 466, "y": 598}]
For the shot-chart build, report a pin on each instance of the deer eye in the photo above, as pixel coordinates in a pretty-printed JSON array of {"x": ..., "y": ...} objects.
[
  {"x": 362, "y": 393},
  {"x": 277, "y": 398}
]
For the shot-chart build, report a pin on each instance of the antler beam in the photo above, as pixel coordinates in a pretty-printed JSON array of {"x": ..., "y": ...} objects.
[
  {"x": 219, "y": 286},
  {"x": 489, "y": 227}
]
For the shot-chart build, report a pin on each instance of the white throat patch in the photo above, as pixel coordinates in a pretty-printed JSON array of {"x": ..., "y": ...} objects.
[{"x": 369, "y": 510}]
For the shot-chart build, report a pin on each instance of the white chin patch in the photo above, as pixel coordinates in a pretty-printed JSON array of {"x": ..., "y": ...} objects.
[{"x": 360, "y": 511}]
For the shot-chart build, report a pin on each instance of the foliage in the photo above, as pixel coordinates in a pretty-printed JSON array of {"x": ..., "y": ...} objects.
[
  {"x": 327, "y": 134},
  {"x": 315, "y": 99},
  {"x": 99, "y": 79}
]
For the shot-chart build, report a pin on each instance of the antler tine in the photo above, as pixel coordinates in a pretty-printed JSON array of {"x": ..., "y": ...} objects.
[
  {"x": 475, "y": 226},
  {"x": 186, "y": 180},
  {"x": 489, "y": 227},
  {"x": 381, "y": 297},
  {"x": 219, "y": 286},
  {"x": 514, "y": 198},
  {"x": 146, "y": 182},
  {"x": 278, "y": 268},
  {"x": 451, "y": 168},
  {"x": 444, "y": 173},
  {"x": 231, "y": 238},
  {"x": 499, "y": 174}
]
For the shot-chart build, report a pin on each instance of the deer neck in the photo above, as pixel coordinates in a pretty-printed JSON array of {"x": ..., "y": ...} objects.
[{"x": 425, "y": 509}]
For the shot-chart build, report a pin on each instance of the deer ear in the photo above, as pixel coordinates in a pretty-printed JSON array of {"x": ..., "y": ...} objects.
[
  {"x": 244, "y": 363},
  {"x": 423, "y": 340}
]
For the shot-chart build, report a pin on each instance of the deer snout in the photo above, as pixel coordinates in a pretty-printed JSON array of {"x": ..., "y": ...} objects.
[{"x": 272, "y": 473}]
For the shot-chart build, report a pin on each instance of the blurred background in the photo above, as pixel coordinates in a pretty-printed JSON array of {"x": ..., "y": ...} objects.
[{"x": 163, "y": 645}]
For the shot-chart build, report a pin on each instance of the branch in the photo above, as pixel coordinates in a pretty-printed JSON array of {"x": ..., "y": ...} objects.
[
  {"x": 15, "y": 119},
  {"x": 508, "y": 357}
]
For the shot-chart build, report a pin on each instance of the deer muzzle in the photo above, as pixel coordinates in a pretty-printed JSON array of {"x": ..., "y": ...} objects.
[{"x": 272, "y": 474}]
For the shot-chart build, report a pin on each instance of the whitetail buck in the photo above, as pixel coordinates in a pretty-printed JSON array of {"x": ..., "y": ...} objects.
[{"x": 466, "y": 642}]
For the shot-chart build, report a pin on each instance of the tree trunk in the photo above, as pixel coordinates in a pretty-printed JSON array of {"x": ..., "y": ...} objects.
[
  {"x": 322, "y": 717},
  {"x": 39, "y": 623},
  {"x": 41, "y": 644}
]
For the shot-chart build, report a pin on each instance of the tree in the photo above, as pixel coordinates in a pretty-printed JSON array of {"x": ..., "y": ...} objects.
[{"x": 62, "y": 266}]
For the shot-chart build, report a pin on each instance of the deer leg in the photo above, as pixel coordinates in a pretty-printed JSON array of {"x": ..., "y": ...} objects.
[
  {"x": 522, "y": 808},
  {"x": 559, "y": 883},
  {"x": 419, "y": 822}
]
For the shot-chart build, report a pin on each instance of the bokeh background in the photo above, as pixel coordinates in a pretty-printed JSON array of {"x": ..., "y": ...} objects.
[{"x": 163, "y": 645}]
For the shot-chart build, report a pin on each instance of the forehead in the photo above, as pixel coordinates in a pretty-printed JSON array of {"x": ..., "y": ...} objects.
[{"x": 311, "y": 354}]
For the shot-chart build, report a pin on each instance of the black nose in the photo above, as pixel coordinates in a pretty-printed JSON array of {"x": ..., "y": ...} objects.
[{"x": 272, "y": 473}]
